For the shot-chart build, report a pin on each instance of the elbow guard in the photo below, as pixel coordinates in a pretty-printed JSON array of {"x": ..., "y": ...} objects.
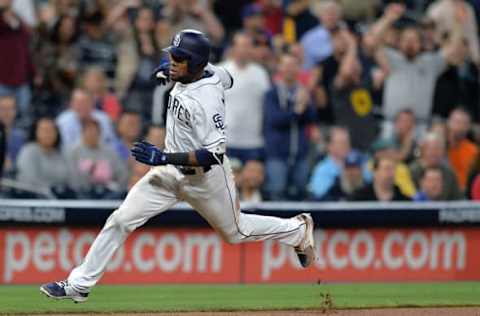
[{"x": 206, "y": 158}]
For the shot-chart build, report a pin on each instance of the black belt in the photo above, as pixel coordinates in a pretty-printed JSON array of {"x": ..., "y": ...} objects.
[{"x": 189, "y": 171}]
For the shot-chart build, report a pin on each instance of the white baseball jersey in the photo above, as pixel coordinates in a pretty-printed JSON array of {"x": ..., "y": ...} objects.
[
  {"x": 196, "y": 116},
  {"x": 195, "y": 120}
]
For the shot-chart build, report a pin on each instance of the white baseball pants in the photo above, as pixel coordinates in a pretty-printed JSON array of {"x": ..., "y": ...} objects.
[{"x": 212, "y": 195}]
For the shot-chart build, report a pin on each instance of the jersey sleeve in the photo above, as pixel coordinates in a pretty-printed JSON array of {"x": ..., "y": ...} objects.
[
  {"x": 209, "y": 125},
  {"x": 222, "y": 73}
]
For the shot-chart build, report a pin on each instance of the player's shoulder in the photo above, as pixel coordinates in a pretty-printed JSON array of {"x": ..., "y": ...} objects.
[{"x": 207, "y": 89}]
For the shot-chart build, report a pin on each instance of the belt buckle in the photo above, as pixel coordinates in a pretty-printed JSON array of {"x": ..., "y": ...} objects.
[
  {"x": 190, "y": 171},
  {"x": 187, "y": 171}
]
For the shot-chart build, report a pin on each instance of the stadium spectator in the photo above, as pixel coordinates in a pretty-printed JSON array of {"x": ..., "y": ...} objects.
[
  {"x": 140, "y": 56},
  {"x": 412, "y": 74},
  {"x": 252, "y": 178},
  {"x": 190, "y": 14},
  {"x": 462, "y": 152},
  {"x": 96, "y": 171},
  {"x": 305, "y": 76},
  {"x": 349, "y": 181},
  {"x": 82, "y": 108},
  {"x": 374, "y": 67},
  {"x": 95, "y": 45},
  {"x": 328, "y": 170},
  {"x": 458, "y": 85},
  {"x": 95, "y": 83},
  {"x": 444, "y": 14},
  {"x": 351, "y": 95},
  {"x": 273, "y": 15},
  {"x": 404, "y": 135},
  {"x": 298, "y": 20},
  {"x": 433, "y": 155},
  {"x": 15, "y": 136},
  {"x": 386, "y": 148},
  {"x": 40, "y": 162},
  {"x": 383, "y": 187},
  {"x": 316, "y": 42},
  {"x": 325, "y": 73},
  {"x": 244, "y": 113},
  {"x": 129, "y": 128},
  {"x": 254, "y": 26},
  {"x": 431, "y": 185},
  {"x": 288, "y": 111},
  {"x": 17, "y": 69},
  {"x": 56, "y": 61}
]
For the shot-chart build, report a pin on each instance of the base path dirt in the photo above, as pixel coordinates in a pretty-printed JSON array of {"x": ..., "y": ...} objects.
[{"x": 440, "y": 311}]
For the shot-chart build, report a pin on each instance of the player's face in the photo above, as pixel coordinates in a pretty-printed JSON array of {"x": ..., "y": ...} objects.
[{"x": 178, "y": 68}]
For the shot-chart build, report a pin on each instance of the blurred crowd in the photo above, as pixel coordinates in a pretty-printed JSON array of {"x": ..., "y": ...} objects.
[{"x": 345, "y": 100}]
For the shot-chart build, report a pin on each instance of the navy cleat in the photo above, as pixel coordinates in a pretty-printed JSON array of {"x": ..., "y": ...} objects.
[
  {"x": 306, "y": 249},
  {"x": 62, "y": 290}
]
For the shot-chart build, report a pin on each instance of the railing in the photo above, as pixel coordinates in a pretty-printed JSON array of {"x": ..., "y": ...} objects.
[{"x": 340, "y": 214}]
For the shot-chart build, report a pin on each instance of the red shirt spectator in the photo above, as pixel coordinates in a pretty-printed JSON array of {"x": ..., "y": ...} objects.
[{"x": 15, "y": 59}]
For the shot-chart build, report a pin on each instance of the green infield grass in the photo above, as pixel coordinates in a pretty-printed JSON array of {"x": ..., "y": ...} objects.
[{"x": 17, "y": 299}]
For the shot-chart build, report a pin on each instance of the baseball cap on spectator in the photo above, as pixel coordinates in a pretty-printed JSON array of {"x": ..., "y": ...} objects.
[
  {"x": 354, "y": 159},
  {"x": 251, "y": 10}
]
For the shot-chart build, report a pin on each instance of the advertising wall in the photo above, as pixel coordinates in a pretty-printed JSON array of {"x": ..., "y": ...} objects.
[{"x": 159, "y": 255}]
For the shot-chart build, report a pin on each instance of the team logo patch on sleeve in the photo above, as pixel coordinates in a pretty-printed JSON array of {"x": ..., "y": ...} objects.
[{"x": 218, "y": 120}]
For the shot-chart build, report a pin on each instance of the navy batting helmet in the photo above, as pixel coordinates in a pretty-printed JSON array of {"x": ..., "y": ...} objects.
[{"x": 193, "y": 46}]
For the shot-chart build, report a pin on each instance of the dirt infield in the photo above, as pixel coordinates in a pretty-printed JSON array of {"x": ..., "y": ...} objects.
[{"x": 457, "y": 311}]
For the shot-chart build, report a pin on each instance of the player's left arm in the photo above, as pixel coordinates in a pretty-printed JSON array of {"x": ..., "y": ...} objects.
[{"x": 147, "y": 153}]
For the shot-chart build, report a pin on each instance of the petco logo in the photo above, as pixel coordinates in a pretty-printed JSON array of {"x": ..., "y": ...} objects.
[
  {"x": 34, "y": 255},
  {"x": 393, "y": 254}
]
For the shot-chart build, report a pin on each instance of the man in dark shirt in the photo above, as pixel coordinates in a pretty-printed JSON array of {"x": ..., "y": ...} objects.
[
  {"x": 383, "y": 187},
  {"x": 96, "y": 45}
]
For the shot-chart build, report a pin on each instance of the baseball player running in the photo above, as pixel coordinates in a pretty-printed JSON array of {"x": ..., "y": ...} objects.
[{"x": 193, "y": 168}]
